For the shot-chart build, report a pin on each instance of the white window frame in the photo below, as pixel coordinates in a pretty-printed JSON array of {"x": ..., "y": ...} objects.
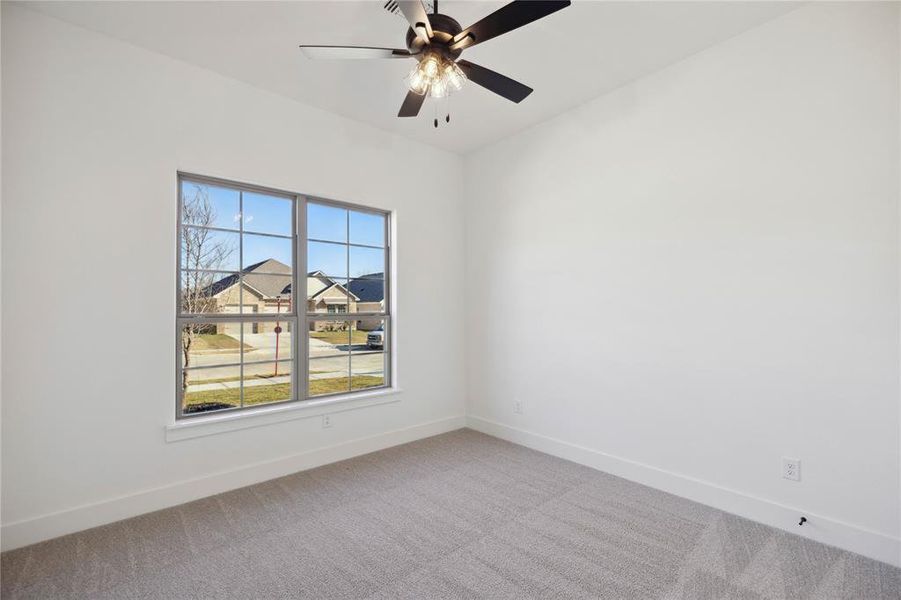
[{"x": 298, "y": 319}]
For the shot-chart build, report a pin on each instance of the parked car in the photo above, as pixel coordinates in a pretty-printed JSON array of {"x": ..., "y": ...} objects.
[{"x": 376, "y": 338}]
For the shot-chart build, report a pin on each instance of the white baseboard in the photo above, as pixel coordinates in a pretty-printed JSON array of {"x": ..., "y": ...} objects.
[
  {"x": 30, "y": 531},
  {"x": 820, "y": 528}
]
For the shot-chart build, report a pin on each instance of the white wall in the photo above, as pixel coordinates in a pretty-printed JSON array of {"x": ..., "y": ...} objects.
[
  {"x": 682, "y": 281},
  {"x": 693, "y": 276},
  {"x": 93, "y": 133}
]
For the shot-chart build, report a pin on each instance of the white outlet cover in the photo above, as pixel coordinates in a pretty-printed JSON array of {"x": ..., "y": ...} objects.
[
  {"x": 791, "y": 468},
  {"x": 326, "y": 421}
]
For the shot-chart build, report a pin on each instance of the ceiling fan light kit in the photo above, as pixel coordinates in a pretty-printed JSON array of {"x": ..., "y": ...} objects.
[
  {"x": 436, "y": 42},
  {"x": 436, "y": 76}
]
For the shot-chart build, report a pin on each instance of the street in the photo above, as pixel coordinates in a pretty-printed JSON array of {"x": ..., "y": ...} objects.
[{"x": 327, "y": 361}]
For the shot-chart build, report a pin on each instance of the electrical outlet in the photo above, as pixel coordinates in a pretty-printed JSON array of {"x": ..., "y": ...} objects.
[
  {"x": 517, "y": 407},
  {"x": 326, "y": 421},
  {"x": 791, "y": 468}
]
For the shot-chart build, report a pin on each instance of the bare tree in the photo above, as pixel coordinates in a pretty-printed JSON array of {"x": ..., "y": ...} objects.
[{"x": 202, "y": 250}]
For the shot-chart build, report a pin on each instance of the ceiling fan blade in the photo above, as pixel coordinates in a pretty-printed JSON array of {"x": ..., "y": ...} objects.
[
  {"x": 507, "y": 18},
  {"x": 495, "y": 82},
  {"x": 412, "y": 104},
  {"x": 416, "y": 15},
  {"x": 353, "y": 52}
]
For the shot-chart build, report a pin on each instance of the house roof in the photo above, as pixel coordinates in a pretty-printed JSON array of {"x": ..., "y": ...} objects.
[
  {"x": 323, "y": 284},
  {"x": 317, "y": 282},
  {"x": 271, "y": 278},
  {"x": 368, "y": 288}
]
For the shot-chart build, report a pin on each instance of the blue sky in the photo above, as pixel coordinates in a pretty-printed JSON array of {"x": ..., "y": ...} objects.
[{"x": 273, "y": 215}]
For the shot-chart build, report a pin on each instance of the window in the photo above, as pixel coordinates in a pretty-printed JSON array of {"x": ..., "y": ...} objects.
[
  {"x": 347, "y": 267},
  {"x": 238, "y": 320}
]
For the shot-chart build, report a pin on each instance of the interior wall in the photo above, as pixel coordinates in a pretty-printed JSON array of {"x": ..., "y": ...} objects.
[
  {"x": 698, "y": 274},
  {"x": 694, "y": 275},
  {"x": 94, "y": 131}
]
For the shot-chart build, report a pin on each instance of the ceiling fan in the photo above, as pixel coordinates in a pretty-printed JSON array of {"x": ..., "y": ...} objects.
[{"x": 436, "y": 42}]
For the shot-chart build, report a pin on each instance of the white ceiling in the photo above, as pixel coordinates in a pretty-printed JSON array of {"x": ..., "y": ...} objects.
[{"x": 569, "y": 57}]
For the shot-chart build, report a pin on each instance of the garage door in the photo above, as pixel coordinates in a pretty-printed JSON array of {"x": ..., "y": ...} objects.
[{"x": 232, "y": 329}]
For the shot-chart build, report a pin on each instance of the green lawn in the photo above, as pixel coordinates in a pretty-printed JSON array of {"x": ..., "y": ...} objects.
[
  {"x": 262, "y": 394},
  {"x": 253, "y": 395},
  {"x": 215, "y": 341},
  {"x": 340, "y": 337},
  {"x": 339, "y": 384}
]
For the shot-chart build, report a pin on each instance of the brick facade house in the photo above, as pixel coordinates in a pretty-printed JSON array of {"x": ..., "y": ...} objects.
[{"x": 266, "y": 288}]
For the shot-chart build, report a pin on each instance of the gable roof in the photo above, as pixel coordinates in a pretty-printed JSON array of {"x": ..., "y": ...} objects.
[
  {"x": 317, "y": 281},
  {"x": 368, "y": 288},
  {"x": 271, "y": 278}
]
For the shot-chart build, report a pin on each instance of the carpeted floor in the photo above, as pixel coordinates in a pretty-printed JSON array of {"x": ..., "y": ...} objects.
[{"x": 461, "y": 515}]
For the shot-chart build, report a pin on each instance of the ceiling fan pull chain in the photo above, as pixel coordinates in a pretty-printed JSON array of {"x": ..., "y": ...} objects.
[
  {"x": 436, "y": 116},
  {"x": 447, "y": 110}
]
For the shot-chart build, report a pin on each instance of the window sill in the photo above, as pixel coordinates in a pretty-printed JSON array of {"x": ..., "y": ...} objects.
[{"x": 267, "y": 415}]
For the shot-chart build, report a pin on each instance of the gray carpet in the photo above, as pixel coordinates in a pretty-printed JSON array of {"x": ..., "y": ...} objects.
[{"x": 461, "y": 515}]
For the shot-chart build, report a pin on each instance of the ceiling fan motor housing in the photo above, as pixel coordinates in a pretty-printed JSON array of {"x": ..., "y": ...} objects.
[{"x": 444, "y": 28}]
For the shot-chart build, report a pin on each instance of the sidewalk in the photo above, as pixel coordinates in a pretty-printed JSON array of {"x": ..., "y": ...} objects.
[{"x": 226, "y": 385}]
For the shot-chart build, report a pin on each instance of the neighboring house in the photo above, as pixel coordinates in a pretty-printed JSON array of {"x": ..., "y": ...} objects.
[
  {"x": 370, "y": 292},
  {"x": 267, "y": 289},
  {"x": 325, "y": 295}
]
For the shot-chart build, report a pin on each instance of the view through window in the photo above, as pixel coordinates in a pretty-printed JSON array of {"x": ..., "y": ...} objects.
[{"x": 238, "y": 346}]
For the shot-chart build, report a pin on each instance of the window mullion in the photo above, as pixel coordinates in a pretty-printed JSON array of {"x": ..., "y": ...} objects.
[
  {"x": 301, "y": 343},
  {"x": 179, "y": 304},
  {"x": 350, "y": 333},
  {"x": 388, "y": 322},
  {"x": 241, "y": 295}
]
